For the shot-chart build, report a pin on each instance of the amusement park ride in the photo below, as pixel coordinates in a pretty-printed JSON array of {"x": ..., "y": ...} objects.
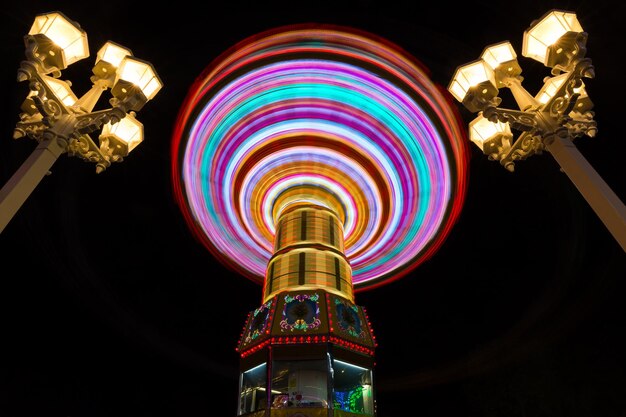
[{"x": 317, "y": 161}]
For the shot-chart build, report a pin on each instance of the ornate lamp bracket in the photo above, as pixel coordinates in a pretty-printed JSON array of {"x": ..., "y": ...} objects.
[
  {"x": 518, "y": 120},
  {"x": 525, "y": 145},
  {"x": 35, "y": 62}
]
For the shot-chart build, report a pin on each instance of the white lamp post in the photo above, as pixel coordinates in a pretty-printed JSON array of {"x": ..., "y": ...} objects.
[
  {"x": 559, "y": 113},
  {"x": 60, "y": 121}
]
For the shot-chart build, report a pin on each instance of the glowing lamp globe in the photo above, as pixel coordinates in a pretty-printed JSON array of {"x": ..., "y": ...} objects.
[
  {"x": 474, "y": 85},
  {"x": 59, "y": 89},
  {"x": 502, "y": 59},
  {"x": 555, "y": 39},
  {"x": 108, "y": 60},
  {"x": 60, "y": 41},
  {"x": 124, "y": 136},
  {"x": 490, "y": 137},
  {"x": 137, "y": 81},
  {"x": 553, "y": 86}
]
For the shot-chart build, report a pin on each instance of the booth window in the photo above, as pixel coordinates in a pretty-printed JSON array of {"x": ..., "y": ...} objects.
[
  {"x": 297, "y": 384},
  {"x": 352, "y": 388},
  {"x": 252, "y": 389}
]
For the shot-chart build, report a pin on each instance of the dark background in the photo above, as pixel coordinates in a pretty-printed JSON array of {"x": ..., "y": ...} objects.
[{"x": 110, "y": 307}]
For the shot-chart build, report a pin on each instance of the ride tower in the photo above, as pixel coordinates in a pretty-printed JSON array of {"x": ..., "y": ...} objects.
[
  {"x": 317, "y": 161},
  {"x": 319, "y": 344}
]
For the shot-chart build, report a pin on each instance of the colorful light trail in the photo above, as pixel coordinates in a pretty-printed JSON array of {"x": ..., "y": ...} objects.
[{"x": 324, "y": 114}]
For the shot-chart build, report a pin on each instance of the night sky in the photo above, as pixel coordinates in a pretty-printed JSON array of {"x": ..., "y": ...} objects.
[{"x": 110, "y": 307}]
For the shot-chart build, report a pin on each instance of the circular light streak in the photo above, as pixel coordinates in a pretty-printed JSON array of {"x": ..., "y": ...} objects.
[{"x": 325, "y": 114}]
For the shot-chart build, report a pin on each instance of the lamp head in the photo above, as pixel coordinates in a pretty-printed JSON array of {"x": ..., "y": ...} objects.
[
  {"x": 551, "y": 88},
  {"x": 556, "y": 40},
  {"x": 502, "y": 59},
  {"x": 122, "y": 137},
  {"x": 108, "y": 60},
  {"x": 61, "y": 92},
  {"x": 136, "y": 82},
  {"x": 555, "y": 86},
  {"x": 474, "y": 85},
  {"x": 59, "y": 41},
  {"x": 490, "y": 137}
]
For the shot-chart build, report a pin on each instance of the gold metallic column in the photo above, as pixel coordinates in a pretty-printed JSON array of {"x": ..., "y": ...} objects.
[{"x": 308, "y": 253}]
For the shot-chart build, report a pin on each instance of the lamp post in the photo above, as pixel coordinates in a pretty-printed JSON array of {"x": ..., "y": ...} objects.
[
  {"x": 60, "y": 121},
  {"x": 550, "y": 120}
]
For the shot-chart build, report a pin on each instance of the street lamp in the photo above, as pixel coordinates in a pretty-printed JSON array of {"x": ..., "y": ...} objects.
[
  {"x": 60, "y": 121},
  {"x": 551, "y": 120}
]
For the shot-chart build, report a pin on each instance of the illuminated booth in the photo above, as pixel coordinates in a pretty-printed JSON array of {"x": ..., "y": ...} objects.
[
  {"x": 308, "y": 347},
  {"x": 316, "y": 161}
]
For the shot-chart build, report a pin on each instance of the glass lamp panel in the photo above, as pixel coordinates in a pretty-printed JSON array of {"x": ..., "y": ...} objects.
[
  {"x": 112, "y": 53},
  {"x": 141, "y": 74},
  {"x": 61, "y": 90},
  {"x": 64, "y": 33},
  {"x": 468, "y": 76},
  {"x": 546, "y": 32},
  {"x": 499, "y": 53},
  {"x": 152, "y": 87},
  {"x": 570, "y": 21},
  {"x": 128, "y": 130},
  {"x": 483, "y": 130},
  {"x": 457, "y": 90},
  {"x": 550, "y": 88}
]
